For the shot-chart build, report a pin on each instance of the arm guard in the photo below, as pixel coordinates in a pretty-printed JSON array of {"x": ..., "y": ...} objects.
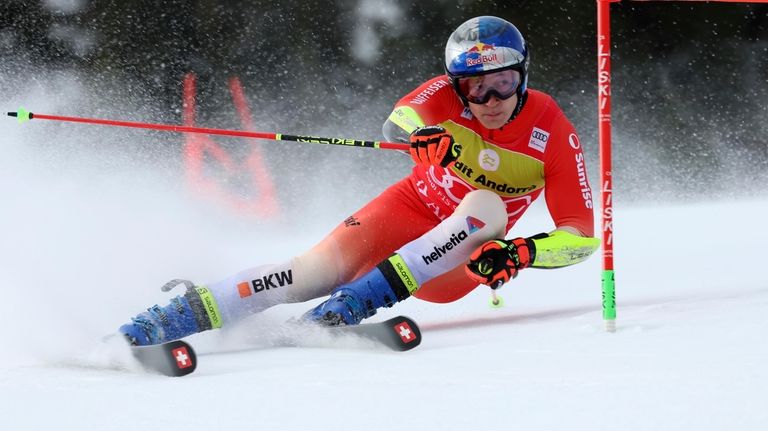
[
  {"x": 401, "y": 122},
  {"x": 561, "y": 248}
]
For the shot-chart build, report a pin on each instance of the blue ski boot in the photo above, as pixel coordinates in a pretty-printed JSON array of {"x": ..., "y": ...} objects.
[
  {"x": 350, "y": 303},
  {"x": 195, "y": 311}
]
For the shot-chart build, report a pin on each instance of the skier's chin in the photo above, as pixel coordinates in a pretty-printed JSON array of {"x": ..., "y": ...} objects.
[{"x": 494, "y": 120}]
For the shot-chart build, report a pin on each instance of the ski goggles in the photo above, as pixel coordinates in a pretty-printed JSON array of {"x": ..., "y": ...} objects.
[{"x": 478, "y": 89}]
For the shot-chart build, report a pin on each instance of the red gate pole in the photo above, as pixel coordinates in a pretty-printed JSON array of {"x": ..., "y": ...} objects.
[{"x": 604, "y": 140}]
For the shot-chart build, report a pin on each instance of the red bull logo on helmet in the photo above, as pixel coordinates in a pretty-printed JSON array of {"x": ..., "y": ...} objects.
[{"x": 481, "y": 53}]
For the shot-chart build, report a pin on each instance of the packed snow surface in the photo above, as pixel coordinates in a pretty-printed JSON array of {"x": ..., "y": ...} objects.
[{"x": 79, "y": 259}]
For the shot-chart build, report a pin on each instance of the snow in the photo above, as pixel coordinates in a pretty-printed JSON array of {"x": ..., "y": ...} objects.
[
  {"x": 689, "y": 352},
  {"x": 87, "y": 243}
]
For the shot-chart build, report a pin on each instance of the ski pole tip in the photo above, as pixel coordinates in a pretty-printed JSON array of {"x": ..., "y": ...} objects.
[
  {"x": 496, "y": 302},
  {"x": 22, "y": 115}
]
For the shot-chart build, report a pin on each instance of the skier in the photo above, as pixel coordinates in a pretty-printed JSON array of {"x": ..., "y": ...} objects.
[{"x": 485, "y": 146}]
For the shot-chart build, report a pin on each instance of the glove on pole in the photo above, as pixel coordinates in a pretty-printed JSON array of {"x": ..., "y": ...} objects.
[
  {"x": 433, "y": 145},
  {"x": 496, "y": 262}
]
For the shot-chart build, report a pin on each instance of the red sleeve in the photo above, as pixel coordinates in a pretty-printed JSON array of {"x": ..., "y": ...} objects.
[
  {"x": 434, "y": 101},
  {"x": 567, "y": 190}
]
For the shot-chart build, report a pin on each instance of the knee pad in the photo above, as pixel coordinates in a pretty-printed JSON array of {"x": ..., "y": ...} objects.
[
  {"x": 481, "y": 216},
  {"x": 488, "y": 207}
]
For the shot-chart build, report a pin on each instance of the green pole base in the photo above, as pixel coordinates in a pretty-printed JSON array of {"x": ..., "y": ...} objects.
[{"x": 609, "y": 300}]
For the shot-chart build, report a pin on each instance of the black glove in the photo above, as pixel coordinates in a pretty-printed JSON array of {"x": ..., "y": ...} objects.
[
  {"x": 433, "y": 145},
  {"x": 496, "y": 262}
]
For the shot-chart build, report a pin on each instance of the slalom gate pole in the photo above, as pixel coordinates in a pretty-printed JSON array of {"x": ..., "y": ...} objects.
[
  {"x": 24, "y": 115},
  {"x": 604, "y": 138}
]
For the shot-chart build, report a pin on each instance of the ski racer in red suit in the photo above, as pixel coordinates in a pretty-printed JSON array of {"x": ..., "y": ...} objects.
[{"x": 485, "y": 147}]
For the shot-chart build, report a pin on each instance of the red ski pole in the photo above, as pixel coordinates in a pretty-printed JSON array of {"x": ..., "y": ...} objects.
[{"x": 24, "y": 115}]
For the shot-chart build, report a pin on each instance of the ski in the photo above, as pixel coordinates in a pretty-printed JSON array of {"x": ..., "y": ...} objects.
[
  {"x": 173, "y": 359},
  {"x": 178, "y": 358},
  {"x": 398, "y": 333}
]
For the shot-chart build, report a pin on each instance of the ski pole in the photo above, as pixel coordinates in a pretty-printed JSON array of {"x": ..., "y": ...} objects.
[
  {"x": 496, "y": 300},
  {"x": 24, "y": 115}
]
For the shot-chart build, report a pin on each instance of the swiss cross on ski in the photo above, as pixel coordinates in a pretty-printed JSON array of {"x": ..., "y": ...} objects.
[
  {"x": 174, "y": 358},
  {"x": 182, "y": 357},
  {"x": 398, "y": 333},
  {"x": 406, "y": 333}
]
